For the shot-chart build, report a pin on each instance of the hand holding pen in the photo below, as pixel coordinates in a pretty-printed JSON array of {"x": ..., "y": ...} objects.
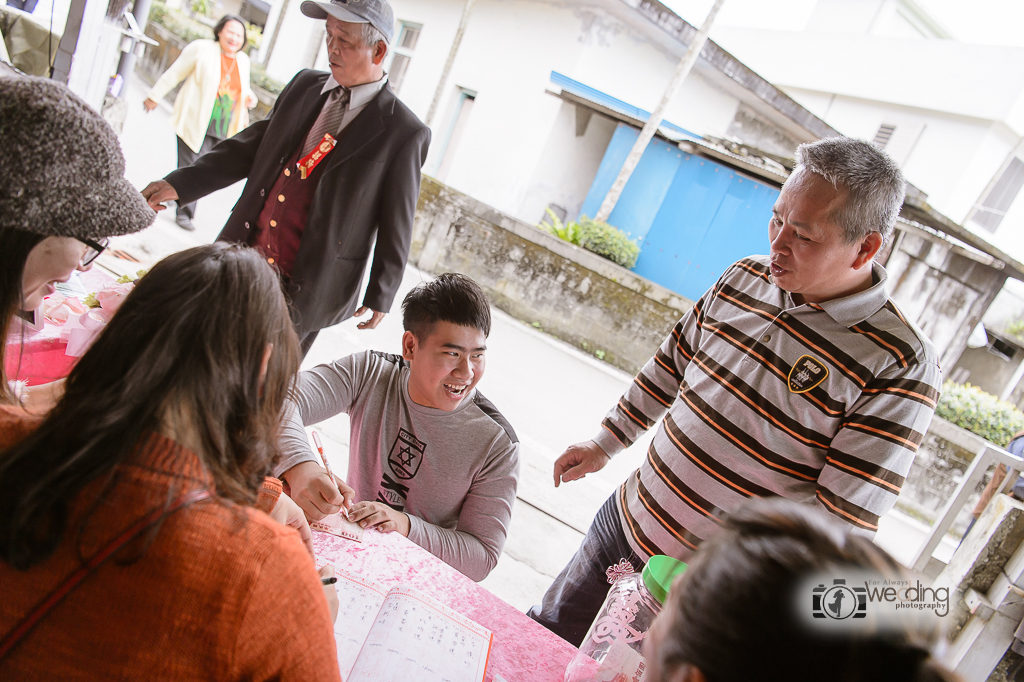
[{"x": 347, "y": 493}]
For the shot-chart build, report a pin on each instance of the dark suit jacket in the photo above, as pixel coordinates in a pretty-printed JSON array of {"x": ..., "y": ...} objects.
[{"x": 370, "y": 184}]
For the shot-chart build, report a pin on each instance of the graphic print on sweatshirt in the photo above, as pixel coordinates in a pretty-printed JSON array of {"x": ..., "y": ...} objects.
[{"x": 404, "y": 459}]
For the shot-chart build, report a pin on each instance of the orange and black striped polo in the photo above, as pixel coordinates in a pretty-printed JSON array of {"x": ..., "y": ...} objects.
[{"x": 820, "y": 403}]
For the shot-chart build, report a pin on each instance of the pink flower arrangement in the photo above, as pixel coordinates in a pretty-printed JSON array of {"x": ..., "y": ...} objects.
[
  {"x": 82, "y": 321},
  {"x": 57, "y": 308},
  {"x": 110, "y": 297}
]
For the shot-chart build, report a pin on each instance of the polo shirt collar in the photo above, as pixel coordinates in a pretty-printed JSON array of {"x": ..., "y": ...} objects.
[
  {"x": 360, "y": 94},
  {"x": 856, "y": 308}
]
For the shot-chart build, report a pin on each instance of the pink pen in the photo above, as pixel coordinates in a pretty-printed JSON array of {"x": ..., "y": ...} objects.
[{"x": 327, "y": 466}]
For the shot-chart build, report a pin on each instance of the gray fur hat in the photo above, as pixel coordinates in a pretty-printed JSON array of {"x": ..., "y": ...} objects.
[{"x": 61, "y": 167}]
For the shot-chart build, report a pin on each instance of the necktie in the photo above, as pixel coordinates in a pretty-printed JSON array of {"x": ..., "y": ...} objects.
[{"x": 329, "y": 119}]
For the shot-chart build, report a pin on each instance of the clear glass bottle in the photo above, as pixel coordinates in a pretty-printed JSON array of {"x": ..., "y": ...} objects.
[{"x": 611, "y": 650}]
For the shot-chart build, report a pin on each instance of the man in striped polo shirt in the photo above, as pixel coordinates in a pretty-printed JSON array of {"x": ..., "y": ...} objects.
[{"x": 794, "y": 376}]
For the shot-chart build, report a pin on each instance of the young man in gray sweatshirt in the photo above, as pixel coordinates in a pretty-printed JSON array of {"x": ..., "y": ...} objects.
[{"x": 430, "y": 457}]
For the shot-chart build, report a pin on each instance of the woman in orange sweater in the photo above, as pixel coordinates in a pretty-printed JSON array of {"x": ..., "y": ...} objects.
[{"x": 129, "y": 545}]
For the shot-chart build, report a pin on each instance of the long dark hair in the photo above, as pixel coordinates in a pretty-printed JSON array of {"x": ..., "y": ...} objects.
[
  {"x": 733, "y": 614},
  {"x": 191, "y": 337},
  {"x": 15, "y": 246}
]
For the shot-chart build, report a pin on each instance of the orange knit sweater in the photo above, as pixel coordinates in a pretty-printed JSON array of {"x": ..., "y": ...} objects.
[{"x": 223, "y": 592}]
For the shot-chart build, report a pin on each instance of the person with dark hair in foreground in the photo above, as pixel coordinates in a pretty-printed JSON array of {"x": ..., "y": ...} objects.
[
  {"x": 735, "y": 614},
  {"x": 430, "y": 457},
  {"x": 136, "y": 496}
]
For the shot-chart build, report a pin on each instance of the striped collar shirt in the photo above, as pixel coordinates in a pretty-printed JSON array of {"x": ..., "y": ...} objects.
[
  {"x": 822, "y": 403},
  {"x": 359, "y": 97}
]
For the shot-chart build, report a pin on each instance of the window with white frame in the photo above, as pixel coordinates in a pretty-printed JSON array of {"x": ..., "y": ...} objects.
[
  {"x": 408, "y": 35},
  {"x": 991, "y": 210}
]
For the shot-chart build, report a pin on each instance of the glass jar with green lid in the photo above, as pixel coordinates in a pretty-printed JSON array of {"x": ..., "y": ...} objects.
[{"x": 611, "y": 650}]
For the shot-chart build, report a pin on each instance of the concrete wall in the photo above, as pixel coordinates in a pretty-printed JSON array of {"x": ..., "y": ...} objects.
[
  {"x": 942, "y": 288},
  {"x": 939, "y": 467},
  {"x": 985, "y": 569},
  {"x": 568, "y": 292}
]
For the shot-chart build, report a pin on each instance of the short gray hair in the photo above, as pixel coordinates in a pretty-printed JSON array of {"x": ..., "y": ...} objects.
[
  {"x": 371, "y": 36},
  {"x": 872, "y": 179}
]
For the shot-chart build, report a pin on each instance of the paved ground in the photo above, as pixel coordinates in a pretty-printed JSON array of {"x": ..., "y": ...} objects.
[{"x": 551, "y": 393}]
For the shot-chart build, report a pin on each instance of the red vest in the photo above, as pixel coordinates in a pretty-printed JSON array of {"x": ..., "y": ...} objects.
[{"x": 285, "y": 213}]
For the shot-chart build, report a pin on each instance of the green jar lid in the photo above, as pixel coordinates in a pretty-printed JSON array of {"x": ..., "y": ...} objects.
[{"x": 659, "y": 573}]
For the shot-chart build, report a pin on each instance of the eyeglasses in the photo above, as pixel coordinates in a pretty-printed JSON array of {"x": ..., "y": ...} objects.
[{"x": 94, "y": 250}]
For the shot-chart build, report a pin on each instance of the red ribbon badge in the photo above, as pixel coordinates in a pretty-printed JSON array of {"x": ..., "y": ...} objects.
[{"x": 307, "y": 164}]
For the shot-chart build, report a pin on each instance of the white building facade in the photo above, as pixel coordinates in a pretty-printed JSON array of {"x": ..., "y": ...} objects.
[
  {"x": 505, "y": 132},
  {"x": 951, "y": 113}
]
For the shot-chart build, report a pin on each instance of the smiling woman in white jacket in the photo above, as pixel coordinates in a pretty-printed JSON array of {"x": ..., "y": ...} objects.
[{"x": 213, "y": 102}]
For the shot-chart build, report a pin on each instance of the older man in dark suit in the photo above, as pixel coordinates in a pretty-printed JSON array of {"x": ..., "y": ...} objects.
[{"x": 337, "y": 161}]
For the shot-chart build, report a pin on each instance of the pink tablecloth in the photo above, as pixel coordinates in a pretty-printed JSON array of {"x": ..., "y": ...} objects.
[
  {"x": 523, "y": 651},
  {"x": 37, "y": 357}
]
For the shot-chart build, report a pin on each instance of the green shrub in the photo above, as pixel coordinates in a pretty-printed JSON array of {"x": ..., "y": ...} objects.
[
  {"x": 608, "y": 241},
  {"x": 158, "y": 13},
  {"x": 254, "y": 37},
  {"x": 1016, "y": 328},
  {"x": 569, "y": 232},
  {"x": 595, "y": 236},
  {"x": 979, "y": 412},
  {"x": 202, "y": 7}
]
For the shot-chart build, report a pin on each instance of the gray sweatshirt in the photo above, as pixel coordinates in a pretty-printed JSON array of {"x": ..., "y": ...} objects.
[{"x": 454, "y": 473}]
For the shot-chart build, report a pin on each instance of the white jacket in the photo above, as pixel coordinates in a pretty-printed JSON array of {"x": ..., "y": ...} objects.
[{"x": 199, "y": 66}]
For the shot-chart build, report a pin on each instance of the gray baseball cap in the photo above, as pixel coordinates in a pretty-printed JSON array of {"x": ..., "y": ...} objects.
[{"x": 377, "y": 13}]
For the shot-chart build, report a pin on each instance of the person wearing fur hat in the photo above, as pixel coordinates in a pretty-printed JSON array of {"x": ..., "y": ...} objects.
[{"x": 62, "y": 194}]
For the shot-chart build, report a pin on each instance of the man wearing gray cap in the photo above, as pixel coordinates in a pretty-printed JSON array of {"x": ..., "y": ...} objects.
[{"x": 336, "y": 161}]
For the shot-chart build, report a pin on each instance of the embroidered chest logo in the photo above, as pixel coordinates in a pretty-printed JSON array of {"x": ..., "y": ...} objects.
[
  {"x": 807, "y": 373},
  {"x": 406, "y": 455}
]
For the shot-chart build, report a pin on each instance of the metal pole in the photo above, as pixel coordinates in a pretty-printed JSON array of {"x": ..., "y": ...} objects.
[
  {"x": 651, "y": 127},
  {"x": 126, "y": 64},
  {"x": 451, "y": 60}
]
